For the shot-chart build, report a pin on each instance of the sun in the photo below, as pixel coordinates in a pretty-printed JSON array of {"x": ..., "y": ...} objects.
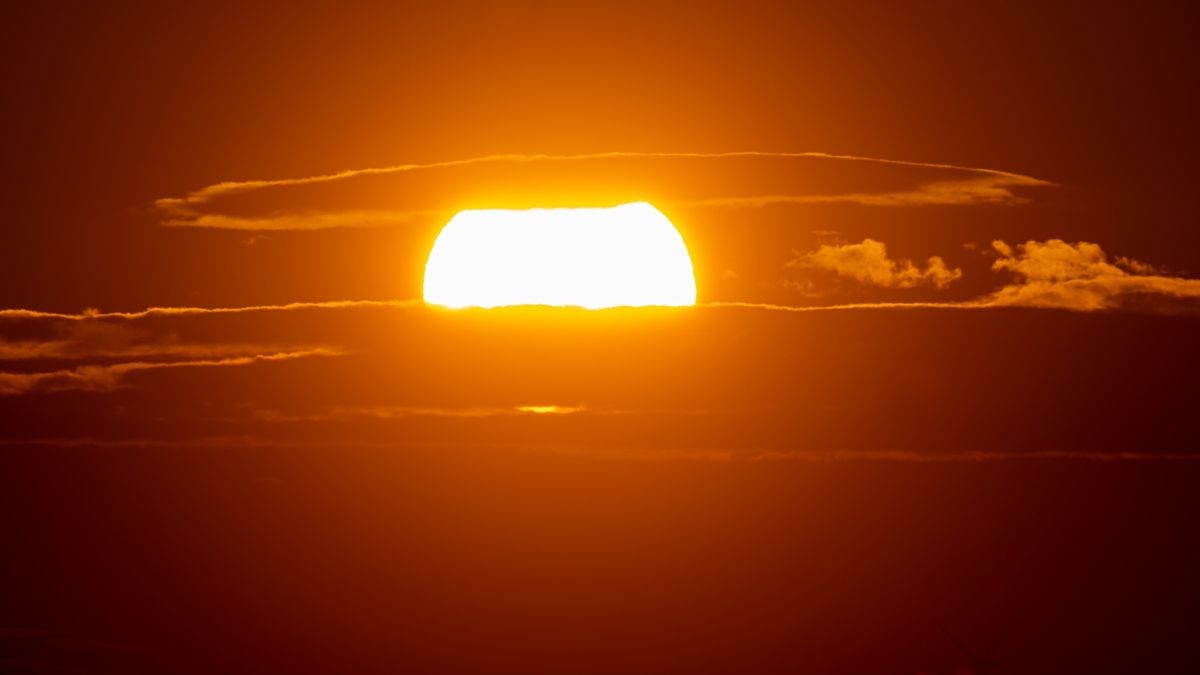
[{"x": 618, "y": 256}]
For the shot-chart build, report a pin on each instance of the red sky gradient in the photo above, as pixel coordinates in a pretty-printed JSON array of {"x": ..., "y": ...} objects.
[{"x": 939, "y": 384}]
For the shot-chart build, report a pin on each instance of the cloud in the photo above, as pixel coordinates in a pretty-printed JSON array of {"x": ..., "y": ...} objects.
[
  {"x": 772, "y": 307},
  {"x": 393, "y": 412},
  {"x": 308, "y": 220},
  {"x": 402, "y": 412},
  {"x": 1052, "y": 274},
  {"x": 102, "y": 339},
  {"x": 94, "y": 314},
  {"x": 868, "y": 263},
  {"x": 978, "y": 186},
  {"x": 111, "y": 376},
  {"x": 1057, "y": 274},
  {"x": 990, "y": 189}
]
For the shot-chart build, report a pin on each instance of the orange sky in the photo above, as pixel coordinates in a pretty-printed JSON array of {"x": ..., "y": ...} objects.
[{"x": 944, "y": 255}]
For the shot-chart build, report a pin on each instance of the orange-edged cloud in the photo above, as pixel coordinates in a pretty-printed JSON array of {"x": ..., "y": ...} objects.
[
  {"x": 993, "y": 188},
  {"x": 388, "y": 412},
  {"x": 95, "y": 315},
  {"x": 1079, "y": 276},
  {"x": 111, "y": 376},
  {"x": 395, "y": 412},
  {"x": 92, "y": 314},
  {"x": 101, "y": 339},
  {"x": 977, "y": 186},
  {"x": 64, "y": 350},
  {"x": 868, "y": 262},
  {"x": 773, "y": 307},
  {"x": 304, "y": 220}
]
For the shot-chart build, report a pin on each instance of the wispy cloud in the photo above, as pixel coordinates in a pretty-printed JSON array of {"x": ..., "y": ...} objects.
[
  {"x": 968, "y": 304},
  {"x": 550, "y": 409},
  {"x": 402, "y": 412},
  {"x": 978, "y": 186},
  {"x": 103, "y": 339},
  {"x": 62, "y": 350},
  {"x": 93, "y": 314},
  {"x": 868, "y": 263},
  {"x": 111, "y": 376},
  {"x": 1057, "y": 274},
  {"x": 989, "y": 189},
  {"x": 305, "y": 220},
  {"x": 393, "y": 412}
]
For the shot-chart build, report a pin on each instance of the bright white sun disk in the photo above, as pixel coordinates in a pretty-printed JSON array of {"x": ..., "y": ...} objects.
[{"x": 619, "y": 256}]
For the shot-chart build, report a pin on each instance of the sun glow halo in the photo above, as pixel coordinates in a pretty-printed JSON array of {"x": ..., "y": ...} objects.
[{"x": 620, "y": 256}]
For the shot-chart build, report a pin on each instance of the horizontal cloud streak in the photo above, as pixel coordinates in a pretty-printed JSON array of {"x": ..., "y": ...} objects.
[
  {"x": 77, "y": 340},
  {"x": 402, "y": 412},
  {"x": 419, "y": 304},
  {"x": 321, "y": 220},
  {"x": 109, "y": 377},
  {"x": 62, "y": 350},
  {"x": 211, "y": 192},
  {"x": 389, "y": 412},
  {"x": 187, "y": 311},
  {"x": 967, "y": 304},
  {"x": 985, "y": 186},
  {"x": 992, "y": 189}
]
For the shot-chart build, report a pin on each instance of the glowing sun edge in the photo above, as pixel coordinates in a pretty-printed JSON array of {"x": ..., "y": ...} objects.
[{"x": 619, "y": 256}]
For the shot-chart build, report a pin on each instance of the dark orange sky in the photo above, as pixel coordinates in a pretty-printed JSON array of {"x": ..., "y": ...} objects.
[{"x": 941, "y": 370}]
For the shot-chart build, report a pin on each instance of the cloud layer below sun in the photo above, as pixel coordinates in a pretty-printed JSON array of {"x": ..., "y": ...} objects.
[
  {"x": 112, "y": 354},
  {"x": 619, "y": 384},
  {"x": 97, "y": 351}
]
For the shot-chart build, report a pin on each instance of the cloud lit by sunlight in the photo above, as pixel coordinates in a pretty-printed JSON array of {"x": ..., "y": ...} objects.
[
  {"x": 549, "y": 409},
  {"x": 869, "y": 263},
  {"x": 1057, "y": 274},
  {"x": 972, "y": 185}
]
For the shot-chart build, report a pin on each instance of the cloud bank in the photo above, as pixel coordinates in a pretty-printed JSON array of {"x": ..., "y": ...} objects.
[
  {"x": 1051, "y": 274},
  {"x": 1059, "y": 275}
]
